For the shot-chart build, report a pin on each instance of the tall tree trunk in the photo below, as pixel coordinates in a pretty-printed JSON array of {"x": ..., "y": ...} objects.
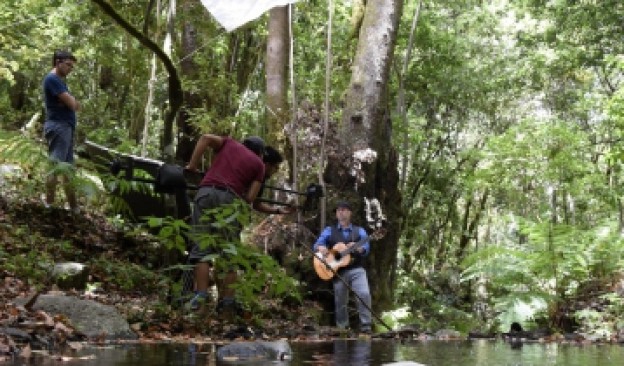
[
  {"x": 469, "y": 227},
  {"x": 187, "y": 134},
  {"x": 366, "y": 124},
  {"x": 150, "y": 83},
  {"x": 277, "y": 75}
]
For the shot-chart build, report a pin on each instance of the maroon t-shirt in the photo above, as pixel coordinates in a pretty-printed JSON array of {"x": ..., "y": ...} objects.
[{"x": 234, "y": 167}]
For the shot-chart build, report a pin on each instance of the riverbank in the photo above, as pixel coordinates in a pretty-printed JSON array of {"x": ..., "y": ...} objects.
[{"x": 128, "y": 272}]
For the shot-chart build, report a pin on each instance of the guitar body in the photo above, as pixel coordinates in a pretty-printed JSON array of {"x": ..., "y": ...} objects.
[
  {"x": 326, "y": 266},
  {"x": 339, "y": 256}
]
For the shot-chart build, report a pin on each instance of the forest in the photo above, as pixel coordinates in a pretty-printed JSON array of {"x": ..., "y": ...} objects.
[{"x": 489, "y": 133}]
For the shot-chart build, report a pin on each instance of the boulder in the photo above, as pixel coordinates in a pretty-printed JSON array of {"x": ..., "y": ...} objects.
[
  {"x": 70, "y": 275},
  {"x": 445, "y": 334},
  {"x": 88, "y": 317},
  {"x": 254, "y": 351}
]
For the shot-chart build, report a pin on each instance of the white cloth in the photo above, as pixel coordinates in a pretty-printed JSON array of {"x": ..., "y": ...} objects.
[{"x": 231, "y": 14}]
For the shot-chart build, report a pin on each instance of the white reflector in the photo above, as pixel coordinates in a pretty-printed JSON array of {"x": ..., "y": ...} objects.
[{"x": 231, "y": 14}]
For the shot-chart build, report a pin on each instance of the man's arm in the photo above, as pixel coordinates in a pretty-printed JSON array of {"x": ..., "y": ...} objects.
[
  {"x": 270, "y": 209},
  {"x": 69, "y": 101},
  {"x": 366, "y": 246},
  {"x": 321, "y": 243},
  {"x": 252, "y": 193},
  {"x": 205, "y": 141},
  {"x": 267, "y": 208}
]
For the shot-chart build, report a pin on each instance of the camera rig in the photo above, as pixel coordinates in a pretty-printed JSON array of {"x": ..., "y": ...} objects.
[{"x": 174, "y": 179}]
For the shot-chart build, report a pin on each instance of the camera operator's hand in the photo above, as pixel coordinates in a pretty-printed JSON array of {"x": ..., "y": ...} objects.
[{"x": 191, "y": 168}]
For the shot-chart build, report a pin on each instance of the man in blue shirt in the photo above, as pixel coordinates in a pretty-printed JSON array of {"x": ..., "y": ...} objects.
[
  {"x": 60, "y": 123},
  {"x": 353, "y": 275}
]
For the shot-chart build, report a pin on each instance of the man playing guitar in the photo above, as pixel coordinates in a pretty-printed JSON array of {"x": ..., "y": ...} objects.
[{"x": 344, "y": 247}]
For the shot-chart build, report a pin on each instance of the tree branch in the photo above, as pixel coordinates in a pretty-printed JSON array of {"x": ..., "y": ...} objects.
[{"x": 175, "y": 86}]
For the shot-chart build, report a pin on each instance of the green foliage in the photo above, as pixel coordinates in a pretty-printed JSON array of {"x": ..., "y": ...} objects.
[
  {"x": 128, "y": 276},
  {"x": 217, "y": 235},
  {"x": 29, "y": 255},
  {"x": 262, "y": 274},
  {"x": 34, "y": 265},
  {"x": 396, "y": 318},
  {"x": 595, "y": 324},
  {"x": 519, "y": 102},
  {"x": 526, "y": 309},
  {"x": 171, "y": 233},
  {"x": 18, "y": 149},
  {"x": 549, "y": 267},
  {"x": 434, "y": 301},
  {"x": 118, "y": 188},
  {"x": 35, "y": 166},
  {"x": 615, "y": 308}
]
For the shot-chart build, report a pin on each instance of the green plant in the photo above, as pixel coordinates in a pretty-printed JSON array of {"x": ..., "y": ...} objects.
[
  {"x": 31, "y": 159},
  {"x": 261, "y": 273},
  {"x": 171, "y": 231},
  {"x": 595, "y": 324},
  {"x": 129, "y": 276},
  {"x": 396, "y": 318},
  {"x": 549, "y": 268},
  {"x": 33, "y": 265}
]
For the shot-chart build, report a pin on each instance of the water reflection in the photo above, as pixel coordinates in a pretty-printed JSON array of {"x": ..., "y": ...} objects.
[
  {"x": 360, "y": 352},
  {"x": 352, "y": 352},
  {"x": 347, "y": 352},
  {"x": 453, "y": 353}
]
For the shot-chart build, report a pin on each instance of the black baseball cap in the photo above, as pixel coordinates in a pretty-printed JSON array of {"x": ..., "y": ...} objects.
[
  {"x": 255, "y": 144},
  {"x": 272, "y": 156},
  {"x": 343, "y": 204}
]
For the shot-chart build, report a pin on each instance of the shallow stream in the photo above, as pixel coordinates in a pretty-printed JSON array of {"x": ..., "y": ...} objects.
[{"x": 359, "y": 352}]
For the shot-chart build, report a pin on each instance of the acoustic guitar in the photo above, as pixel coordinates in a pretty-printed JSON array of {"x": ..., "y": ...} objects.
[{"x": 339, "y": 256}]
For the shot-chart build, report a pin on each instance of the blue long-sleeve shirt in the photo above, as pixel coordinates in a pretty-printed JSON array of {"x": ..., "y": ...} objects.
[{"x": 346, "y": 232}]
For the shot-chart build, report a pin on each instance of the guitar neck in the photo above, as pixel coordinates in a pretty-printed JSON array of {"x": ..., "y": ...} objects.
[{"x": 354, "y": 247}]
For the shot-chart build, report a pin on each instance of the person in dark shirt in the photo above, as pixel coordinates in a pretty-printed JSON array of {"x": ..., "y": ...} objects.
[
  {"x": 60, "y": 124},
  {"x": 353, "y": 274},
  {"x": 236, "y": 174}
]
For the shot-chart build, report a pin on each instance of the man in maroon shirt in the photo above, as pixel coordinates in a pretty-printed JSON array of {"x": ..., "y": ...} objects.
[{"x": 236, "y": 174}]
